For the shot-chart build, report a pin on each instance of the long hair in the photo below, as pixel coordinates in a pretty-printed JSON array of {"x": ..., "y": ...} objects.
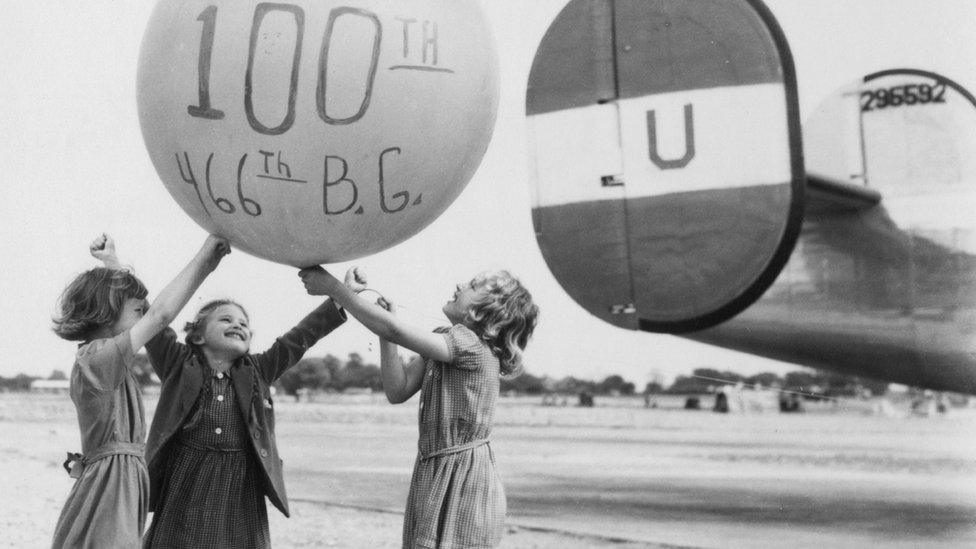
[
  {"x": 94, "y": 300},
  {"x": 504, "y": 318}
]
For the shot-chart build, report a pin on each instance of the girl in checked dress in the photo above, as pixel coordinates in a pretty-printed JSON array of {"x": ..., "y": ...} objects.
[
  {"x": 456, "y": 499},
  {"x": 211, "y": 450}
]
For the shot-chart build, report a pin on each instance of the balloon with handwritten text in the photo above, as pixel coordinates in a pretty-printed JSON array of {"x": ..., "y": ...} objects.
[{"x": 316, "y": 131}]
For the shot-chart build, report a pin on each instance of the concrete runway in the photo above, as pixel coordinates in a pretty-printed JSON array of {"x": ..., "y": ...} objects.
[{"x": 674, "y": 478}]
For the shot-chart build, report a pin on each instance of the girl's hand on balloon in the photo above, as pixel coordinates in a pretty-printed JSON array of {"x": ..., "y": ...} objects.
[
  {"x": 318, "y": 281},
  {"x": 355, "y": 279},
  {"x": 216, "y": 248},
  {"x": 386, "y": 304}
]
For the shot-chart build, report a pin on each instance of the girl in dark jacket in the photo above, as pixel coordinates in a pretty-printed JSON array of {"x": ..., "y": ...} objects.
[{"x": 211, "y": 450}]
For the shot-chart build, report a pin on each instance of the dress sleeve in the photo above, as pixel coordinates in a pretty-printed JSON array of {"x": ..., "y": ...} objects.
[
  {"x": 465, "y": 346},
  {"x": 104, "y": 363},
  {"x": 165, "y": 351},
  {"x": 288, "y": 349}
]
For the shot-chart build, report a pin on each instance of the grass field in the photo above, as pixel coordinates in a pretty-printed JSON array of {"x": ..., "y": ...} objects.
[{"x": 617, "y": 475}]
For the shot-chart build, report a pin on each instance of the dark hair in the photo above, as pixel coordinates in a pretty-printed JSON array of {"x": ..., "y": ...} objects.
[
  {"x": 94, "y": 300},
  {"x": 199, "y": 322},
  {"x": 504, "y": 318}
]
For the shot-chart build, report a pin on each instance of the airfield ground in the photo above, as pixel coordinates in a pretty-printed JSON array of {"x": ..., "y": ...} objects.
[{"x": 618, "y": 475}]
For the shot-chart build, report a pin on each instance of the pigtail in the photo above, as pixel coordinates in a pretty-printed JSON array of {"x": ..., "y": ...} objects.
[
  {"x": 205, "y": 392},
  {"x": 255, "y": 394}
]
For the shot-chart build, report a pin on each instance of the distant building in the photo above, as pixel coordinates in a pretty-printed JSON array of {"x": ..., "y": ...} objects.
[{"x": 50, "y": 386}]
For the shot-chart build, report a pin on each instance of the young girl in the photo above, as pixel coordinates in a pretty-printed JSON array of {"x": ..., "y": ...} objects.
[
  {"x": 211, "y": 451},
  {"x": 105, "y": 309},
  {"x": 456, "y": 499}
]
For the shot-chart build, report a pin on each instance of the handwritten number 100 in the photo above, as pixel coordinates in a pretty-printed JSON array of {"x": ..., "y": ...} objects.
[{"x": 209, "y": 18}]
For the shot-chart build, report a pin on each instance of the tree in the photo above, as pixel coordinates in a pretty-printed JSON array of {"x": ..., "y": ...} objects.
[
  {"x": 685, "y": 385},
  {"x": 332, "y": 365},
  {"x": 357, "y": 374},
  {"x": 653, "y": 388},
  {"x": 20, "y": 382},
  {"x": 765, "y": 379},
  {"x": 573, "y": 385},
  {"x": 57, "y": 375},
  {"x": 309, "y": 373},
  {"x": 615, "y": 384},
  {"x": 523, "y": 383},
  {"x": 803, "y": 381},
  {"x": 702, "y": 380}
]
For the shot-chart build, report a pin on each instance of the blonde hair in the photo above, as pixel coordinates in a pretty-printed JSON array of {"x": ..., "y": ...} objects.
[
  {"x": 504, "y": 318},
  {"x": 94, "y": 300}
]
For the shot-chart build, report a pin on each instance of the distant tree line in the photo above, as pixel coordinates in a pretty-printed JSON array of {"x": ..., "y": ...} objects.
[
  {"x": 20, "y": 382},
  {"x": 317, "y": 374},
  {"x": 534, "y": 385},
  {"x": 329, "y": 373},
  {"x": 810, "y": 382},
  {"x": 702, "y": 380}
]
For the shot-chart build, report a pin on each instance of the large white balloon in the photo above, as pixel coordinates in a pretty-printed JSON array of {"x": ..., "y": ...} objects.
[{"x": 316, "y": 131}]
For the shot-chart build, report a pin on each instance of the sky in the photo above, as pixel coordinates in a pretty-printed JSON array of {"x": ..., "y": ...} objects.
[{"x": 74, "y": 166}]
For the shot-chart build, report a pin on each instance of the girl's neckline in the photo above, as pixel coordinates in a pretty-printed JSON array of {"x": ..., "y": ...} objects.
[
  {"x": 221, "y": 368},
  {"x": 216, "y": 367}
]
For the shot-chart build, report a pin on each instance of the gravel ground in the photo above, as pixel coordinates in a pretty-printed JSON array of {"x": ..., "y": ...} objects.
[
  {"x": 36, "y": 431},
  {"x": 581, "y": 478}
]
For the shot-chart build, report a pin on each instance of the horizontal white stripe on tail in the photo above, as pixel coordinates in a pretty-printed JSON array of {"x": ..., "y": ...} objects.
[{"x": 740, "y": 139}]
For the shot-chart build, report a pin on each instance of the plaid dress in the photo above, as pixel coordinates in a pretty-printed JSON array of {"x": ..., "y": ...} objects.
[
  {"x": 456, "y": 498},
  {"x": 212, "y": 496}
]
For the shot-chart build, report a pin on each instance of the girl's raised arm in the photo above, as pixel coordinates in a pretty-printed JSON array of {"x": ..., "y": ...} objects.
[
  {"x": 378, "y": 320},
  {"x": 400, "y": 381},
  {"x": 174, "y": 296}
]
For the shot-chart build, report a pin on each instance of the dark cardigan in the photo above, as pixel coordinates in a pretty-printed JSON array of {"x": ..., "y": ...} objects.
[{"x": 182, "y": 376}]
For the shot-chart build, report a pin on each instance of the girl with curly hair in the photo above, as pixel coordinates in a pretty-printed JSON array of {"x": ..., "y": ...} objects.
[{"x": 456, "y": 498}]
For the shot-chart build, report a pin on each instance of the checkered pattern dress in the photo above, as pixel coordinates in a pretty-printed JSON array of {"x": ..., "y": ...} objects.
[
  {"x": 456, "y": 498},
  {"x": 212, "y": 496}
]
